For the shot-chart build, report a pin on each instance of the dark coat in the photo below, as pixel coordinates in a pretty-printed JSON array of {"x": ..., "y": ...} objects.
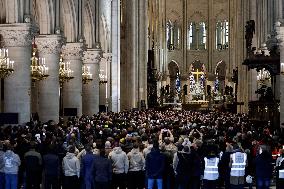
[
  {"x": 51, "y": 165},
  {"x": 155, "y": 164},
  {"x": 102, "y": 168},
  {"x": 86, "y": 165},
  {"x": 263, "y": 165}
]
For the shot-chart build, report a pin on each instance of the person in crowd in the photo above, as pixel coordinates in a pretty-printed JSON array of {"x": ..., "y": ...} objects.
[
  {"x": 33, "y": 167},
  {"x": 11, "y": 167},
  {"x": 148, "y": 148},
  {"x": 186, "y": 128},
  {"x": 120, "y": 166},
  {"x": 51, "y": 168},
  {"x": 263, "y": 168},
  {"x": 249, "y": 170},
  {"x": 184, "y": 168},
  {"x": 108, "y": 147},
  {"x": 86, "y": 168},
  {"x": 194, "y": 180},
  {"x": 168, "y": 177},
  {"x": 155, "y": 164},
  {"x": 94, "y": 150},
  {"x": 238, "y": 163},
  {"x": 211, "y": 173},
  {"x": 102, "y": 168},
  {"x": 280, "y": 170},
  {"x": 71, "y": 169},
  {"x": 2, "y": 165},
  {"x": 136, "y": 166},
  {"x": 224, "y": 168}
]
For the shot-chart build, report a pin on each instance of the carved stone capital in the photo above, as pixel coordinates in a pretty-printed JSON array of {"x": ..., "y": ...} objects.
[
  {"x": 18, "y": 35},
  {"x": 49, "y": 44},
  {"x": 107, "y": 56},
  {"x": 73, "y": 50},
  {"x": 92, "y": 56}
]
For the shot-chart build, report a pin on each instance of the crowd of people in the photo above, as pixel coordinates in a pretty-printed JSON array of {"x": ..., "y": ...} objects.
[{"x": 142, "y": 149}]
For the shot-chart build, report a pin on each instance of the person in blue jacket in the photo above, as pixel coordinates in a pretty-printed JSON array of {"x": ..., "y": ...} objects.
[
  {"x": 155, "y": 165},
  {"x": 86, "y": 168}
]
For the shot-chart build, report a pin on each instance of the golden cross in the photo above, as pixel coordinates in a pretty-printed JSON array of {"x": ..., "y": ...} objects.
[{"x": 197, "y": 73}]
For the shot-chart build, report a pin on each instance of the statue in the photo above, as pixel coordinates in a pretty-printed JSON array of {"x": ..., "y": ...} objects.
[
  {"x": 250, "y": 30},
  {"x": 167, "y": 89}
]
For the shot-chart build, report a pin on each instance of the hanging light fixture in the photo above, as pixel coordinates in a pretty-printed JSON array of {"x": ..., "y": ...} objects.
[
  {"x": 86, "y": 74},
  {"x": 6, "y": 65},
  {"x": 39, "y": 71},
  {"x": 282, "y": 68},
  {"x": 103, "y": 77},
  {"x": 65, "y": 72},
  {"x": 263, "y": 75}
]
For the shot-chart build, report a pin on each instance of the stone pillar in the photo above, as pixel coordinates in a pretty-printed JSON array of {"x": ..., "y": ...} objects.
[
  {"x": 72, "y": 90},
  {"x": 184, "y": 81},
  {"x": 90, "y": 95},
  {"x": 280, "y": 86},
  {"x": 17, "y": 87},
  {"x": 105, "y": 87},
  {"x": 132, "y": 33},
  {"x": 49, "y": 47},
  {"x": 115, "y": 64},
  {"x": 142, "y": 51}
]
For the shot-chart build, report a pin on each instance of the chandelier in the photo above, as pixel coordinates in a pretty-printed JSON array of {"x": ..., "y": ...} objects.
[
  {"x": 103, "y": 77},
  {"x": 39, "y": 71},
  {"x": 6, "y": 65},
  {"x": 86, "y": 75},
  {"x": 65, "y": 72},
  {"x": 263, "y": 75}
]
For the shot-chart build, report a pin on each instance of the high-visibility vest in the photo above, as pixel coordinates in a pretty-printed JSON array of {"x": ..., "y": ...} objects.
[
  {"x": 211, "y": 169},
  {"x": 281, "y": 171},
  {"x": 239, "y": 164}
]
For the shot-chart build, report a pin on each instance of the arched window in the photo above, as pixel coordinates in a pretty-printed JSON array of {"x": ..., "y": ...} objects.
[
  {"x": 197, "y": 36},
  {"x": 222, "y": 35},
  {"x": 173, "y": 35}
]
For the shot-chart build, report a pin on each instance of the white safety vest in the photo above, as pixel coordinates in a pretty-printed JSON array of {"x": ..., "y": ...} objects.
[
  {"x": 211, "y": 169},
  {"x": 281, "y": 171},
  {"x": 239, "y": 164}
]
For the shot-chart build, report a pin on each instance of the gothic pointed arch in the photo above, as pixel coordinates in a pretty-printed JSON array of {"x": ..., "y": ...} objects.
[
  {"x": 104, "y": 34},
  {"x": 2, "y": 12},
  {"x": 89, "y": 23},
  {"x": 43, "y": 13},
  {"x": 220, "y": 70},
  {"x": 69, "y": 20}
]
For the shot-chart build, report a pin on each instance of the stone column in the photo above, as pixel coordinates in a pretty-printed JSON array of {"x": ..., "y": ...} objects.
[
  {"x": 184, "y": 81},
  {"x": 17, "y": 87},
  {"x": 49, "y": 47},
  {"x": 132, "y": 33},
  {"x": 105, "y": 87},
  {"x": 90, "y": 95},
  {"x": 142, "y": 51},
  {"x": 115, "y": 64},
  {"x": 72, "y": 90},
  {"x": 280, "y": 85}
]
